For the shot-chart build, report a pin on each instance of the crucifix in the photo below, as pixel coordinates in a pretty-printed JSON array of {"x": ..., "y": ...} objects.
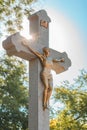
[{"x": 42, "y": 60}]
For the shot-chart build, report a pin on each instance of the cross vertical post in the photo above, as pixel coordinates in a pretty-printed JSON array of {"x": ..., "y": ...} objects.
[{"x": 39, "y": 29}]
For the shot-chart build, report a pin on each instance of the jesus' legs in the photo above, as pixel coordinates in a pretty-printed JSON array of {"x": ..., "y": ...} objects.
[
  {"x": 45, "y": 92},
  {"x": 49, "y": 93}
]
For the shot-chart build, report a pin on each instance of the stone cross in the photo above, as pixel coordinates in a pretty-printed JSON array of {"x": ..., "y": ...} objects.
[{"x": 39, "y": 29}]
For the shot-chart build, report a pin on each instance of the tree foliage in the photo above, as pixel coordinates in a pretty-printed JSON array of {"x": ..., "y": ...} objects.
[
  {"x": 12, "y": 13},
  {"x": 73, "y": 116},
  {"x": 13, "y": 95}
]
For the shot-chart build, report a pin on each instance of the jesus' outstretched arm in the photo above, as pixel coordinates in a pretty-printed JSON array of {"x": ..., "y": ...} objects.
[{"x": 32, "y": 50}]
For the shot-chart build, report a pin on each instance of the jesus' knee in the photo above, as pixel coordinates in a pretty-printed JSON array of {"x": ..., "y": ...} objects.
[
  {"x": 46, "y": 90},
  {"x": 50, "y": 89}
]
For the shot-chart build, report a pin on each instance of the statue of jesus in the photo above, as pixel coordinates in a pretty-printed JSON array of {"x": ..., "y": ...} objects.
[{"x": 46, "y": 76}]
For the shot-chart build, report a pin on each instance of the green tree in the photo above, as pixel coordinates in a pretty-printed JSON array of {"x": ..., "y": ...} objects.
[
  {"x": 13, "y": 94},
  {"x": 12, "y": 13},
  {"x": 73, "y": 115}
]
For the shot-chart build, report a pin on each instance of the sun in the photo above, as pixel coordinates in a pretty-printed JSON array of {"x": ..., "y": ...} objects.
[{"x": 25, "y": 32}]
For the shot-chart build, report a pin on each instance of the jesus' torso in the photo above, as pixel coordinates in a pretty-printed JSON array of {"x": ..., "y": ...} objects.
[{"x": 47, "y": 66}]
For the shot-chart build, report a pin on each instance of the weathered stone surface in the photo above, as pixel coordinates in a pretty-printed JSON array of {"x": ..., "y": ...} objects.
[
  {"x": 60, "y": 66},
  {"x": 13, "y": 46}
]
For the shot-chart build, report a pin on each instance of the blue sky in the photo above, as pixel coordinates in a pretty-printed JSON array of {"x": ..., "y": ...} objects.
[
  {"x": 76, "y": 10},
  {"x": 71, "y": 7}
]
